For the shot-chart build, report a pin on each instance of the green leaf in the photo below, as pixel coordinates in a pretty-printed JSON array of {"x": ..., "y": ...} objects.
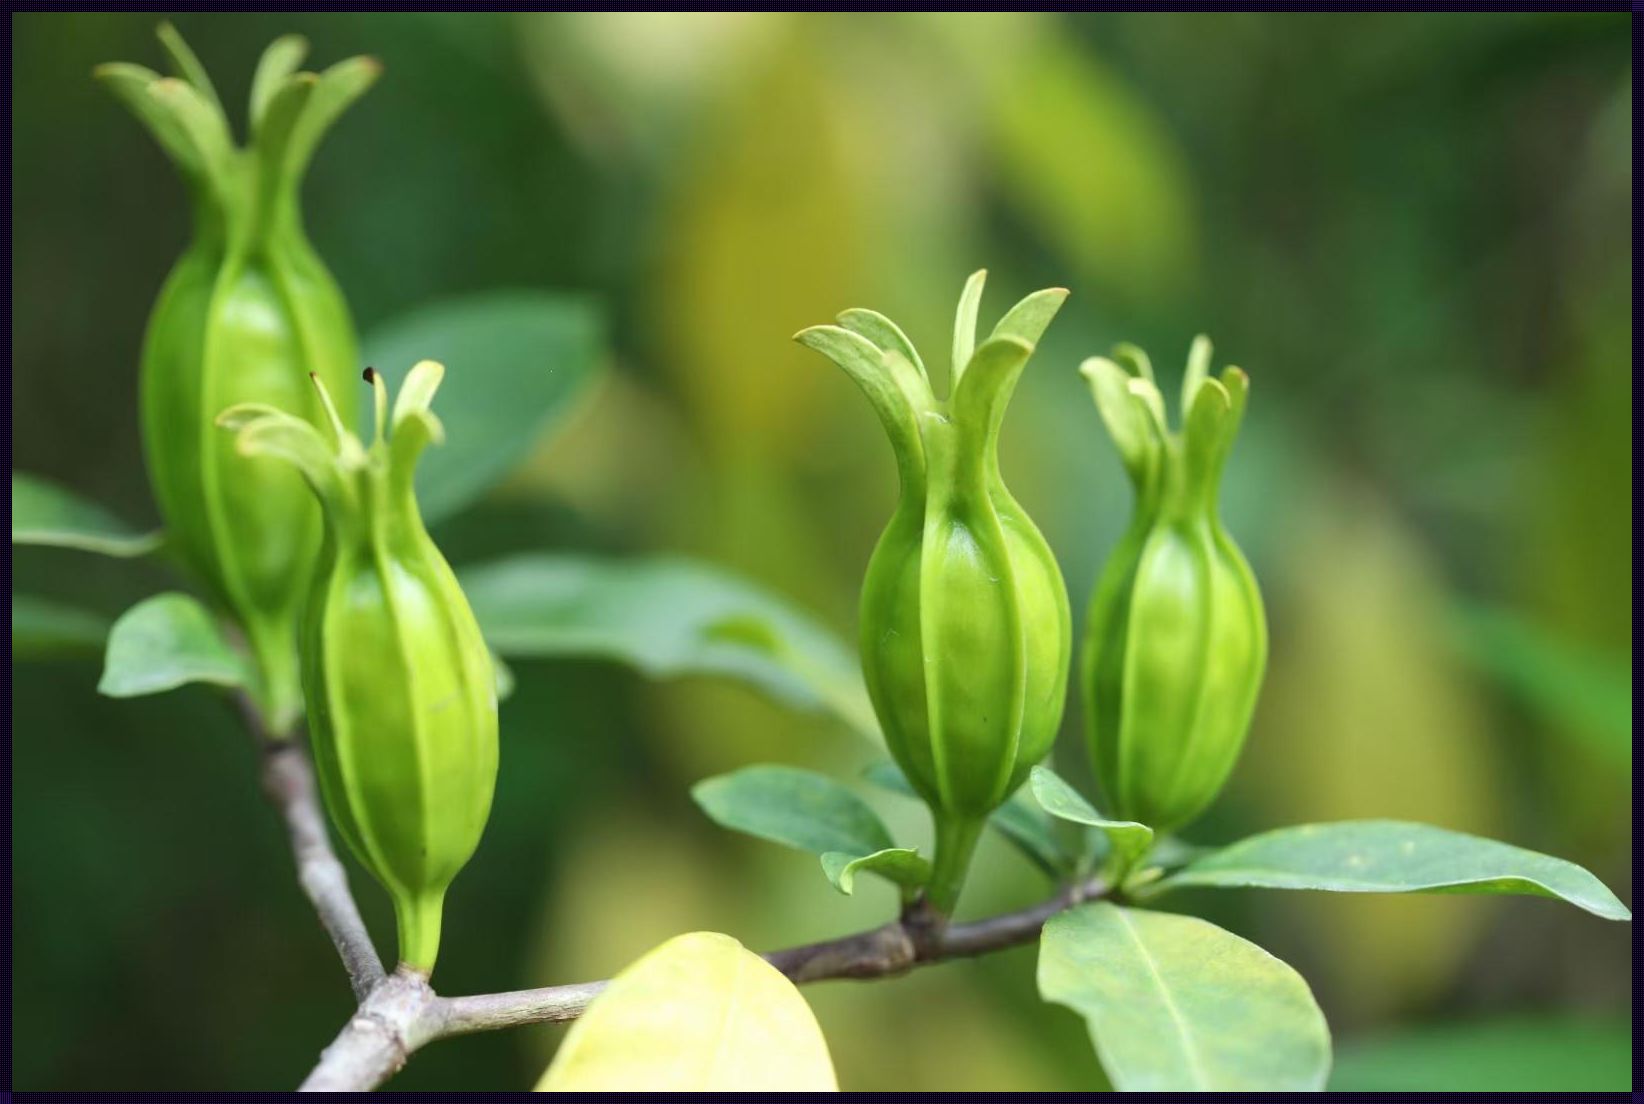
[
  {"x": 1020, "y": 820},
  {"x": 901, "y": 865},
  {"x": 1390, "y": 856},
  {"x": 811, "y": 812},
  {"x": 698, "y": 1014},
  {"x": 514, "y": 362},
  {"x": 1130, "y": 841},
  {"x": 44, "y": 513},
  {"x": 1176, "y": 1004},
  {"x": 1542, "y": 1054},
  {"x": 666, "y": 617},
  {"x": 42, "y": 628},
  {"x": 797, "y": 808},
  {"x": 165, "y": 642},
  {"x": 888, "y": 776}
]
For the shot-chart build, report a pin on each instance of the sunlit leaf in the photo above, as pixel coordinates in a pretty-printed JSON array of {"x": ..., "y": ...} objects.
[
  {"x": 666, "y": 617},
  {"x": 167, "y": 641},
  {"x": 1129, "y": 840},
  {"x": 887, "y": 1035},
  {"x": 514, "y": 360},
  {"x": 42, "y": 628},
  {"x": 1389, "y": 856},
  {"x": 44, "y": 513},
  {"x": 698, "y": 1014},
  {"x": 1176, "y": 1004}
]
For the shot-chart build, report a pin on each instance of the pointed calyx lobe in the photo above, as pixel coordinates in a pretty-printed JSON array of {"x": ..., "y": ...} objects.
[
  {"x": 875, "y": 353},
  {"x": 248, "y": 189},
  {"x": 1179, "y": 470},
  {"x": 349, "y": 478}
]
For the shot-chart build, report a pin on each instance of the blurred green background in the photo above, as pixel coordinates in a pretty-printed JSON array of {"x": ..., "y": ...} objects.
[{"x": 1409, "y": 229}]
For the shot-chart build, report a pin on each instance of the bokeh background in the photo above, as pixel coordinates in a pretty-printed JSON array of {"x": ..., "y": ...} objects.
[{"x": 1412, "y": 231}]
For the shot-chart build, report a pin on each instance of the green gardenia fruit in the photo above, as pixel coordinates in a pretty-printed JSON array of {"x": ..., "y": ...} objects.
[
  {"x": 402, "y": 706},
  {"x": 1176, "y": 639},
  {"x": 965, "y": 629},
  {"x": 247, "y": 314}
]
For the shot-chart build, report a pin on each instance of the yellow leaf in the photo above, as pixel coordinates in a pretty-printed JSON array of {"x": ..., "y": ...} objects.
[{"x": 698, "y": 1014}]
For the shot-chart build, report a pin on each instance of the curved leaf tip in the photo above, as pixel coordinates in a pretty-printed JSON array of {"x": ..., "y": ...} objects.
[{"x": 1389, "y": 856}]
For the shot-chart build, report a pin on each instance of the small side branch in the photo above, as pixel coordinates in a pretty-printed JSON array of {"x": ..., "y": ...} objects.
[
  {"x": 885, "y": 951},
  {"x": 490, "y": 1011}
]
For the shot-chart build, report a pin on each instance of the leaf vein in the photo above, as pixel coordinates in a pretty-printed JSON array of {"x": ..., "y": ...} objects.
[{"x": 1188, "y": 1048}]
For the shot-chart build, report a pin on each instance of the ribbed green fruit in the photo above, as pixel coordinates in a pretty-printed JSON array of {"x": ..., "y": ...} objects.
[
  {"x": 965, "y": 629},
  {"x": 247, "y": 315},
  {"x": 402, "y": 706},
  {"x": 1176, "y": 640}
]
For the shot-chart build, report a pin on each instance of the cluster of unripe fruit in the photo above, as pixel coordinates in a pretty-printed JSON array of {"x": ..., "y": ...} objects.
[{"x": 356, "y": 621}]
